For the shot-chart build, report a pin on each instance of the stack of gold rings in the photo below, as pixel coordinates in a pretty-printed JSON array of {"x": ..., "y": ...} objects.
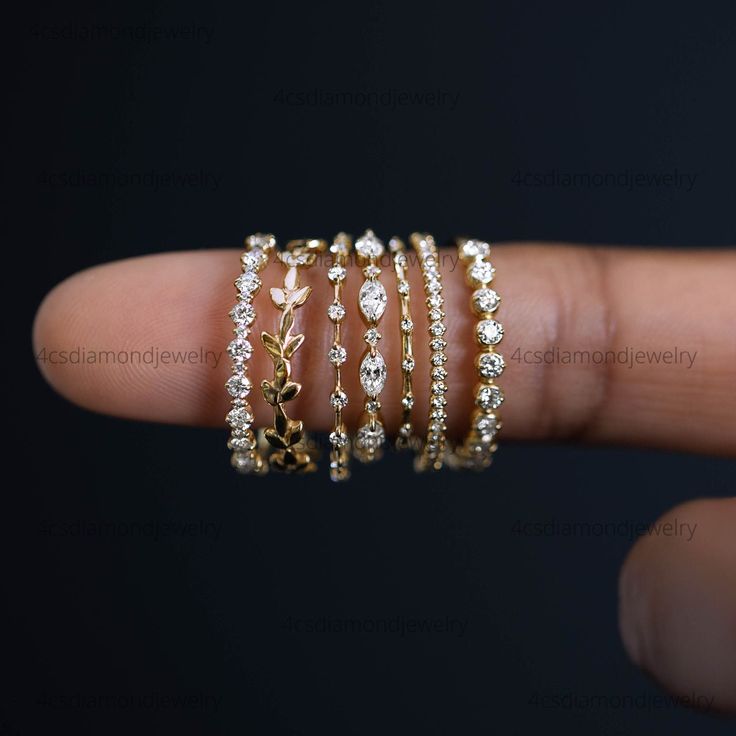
[{"x": 283, "y": 446}]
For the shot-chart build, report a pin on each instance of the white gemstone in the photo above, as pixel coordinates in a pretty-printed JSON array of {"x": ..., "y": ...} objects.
[
  {"x": 491, "y": 365},
  {"x": 485, "y": 300},
  {"x": 338, "y": 439},
  {"x": 433, "y": 286},
  {"x": 336, "y": 312},
  {"x": 245, "y": 442},
  {"x": 240, "y": 350},
  {"x": 338, "y": 399},
  {"x": 481, "y": 272},
  {"x": 407, "y": 402},
  {"x": 263, "y": 241},
  {"x": 372, "y": 300},
  {"x": 240, "y": 418},
  {"x": 489, "y": 397},
  {"x": 408, "y": 365},
  {"x": 254, "y": 259},
  {"x": 336, "y": 273},
  {"x": 370, "y": 439},
  {"x": 372, "y": 336},
  {"x": 373, "y": 374},
  {"x": 436, "y": 315},
  {"x": 438, "y": 343},
  {"x": 238, "y": 385},
  {"x": 403, "y": 287},
  {"x": 243, "y": 313},
  {"x": 371, "y": 271},
  {"x": 437, "y": 329},
  {"x": 439, "y": 388},
  {"x": 435, "y": 301},
  {"x": 406, "y": 325},
  {"x": 337, "y": 355},
  {"x": 439, "y": 374},
  {"x": 438, "y": 358},
  {"x": 248, "y": 282},
  {"x": 244, "y": 462},
  {"x": 489, "y": 332},
  {"x": 369, "y": 246},
  {"x": 372, "y": 406},
  {"x": 486, "y": 425},
  {"x": 473, "y": 248}
]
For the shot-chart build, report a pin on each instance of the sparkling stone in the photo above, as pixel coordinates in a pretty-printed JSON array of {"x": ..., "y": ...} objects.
[
  {"x": 241, "y": 331},
  {"x": 338, "y": 399},
  {"x": 337, "y": 355},
  {"x": 437, "y": 329},
  {"x": 407, "y": 402},
  {"x": 336, "y": 273},
  {"x": 405, "y": 430},
  {"x": 435, "y": 315},
  {"x": 481, "y": 272},
  {"x": 248, "y": 282},
  {"x": 491, "y": 365},
  {"x": 407, "y": 325},
  {"x": 240, "y": 418},
  {"x": 485, "y": 300},
  {"x": 486, "y": 426},
  {"x": 439, "y": 388},
  {"x": 373, "y": 406},
  {"x": 341, "y": 244},
  {"x": 245, "y": 462},
  {"x": 371, "y": 439},
  {"x": 434, "y": 286},
  {"x": 372, "y": 336},
  {"x": 438, "y": 401},
  {"x": 403, "y": 287},
  {"x": 435, "y": 301},
  {"x": 438, "y": 413},
  {"x": 264, "y": 241},
  {"x": 489, "y": 397},
  {"x": 474, "y": 248},
  {"x": 243, "y": 313},
  {"x": 408, "y": 365},
  {"x": 438, "y": 358},
  {"x": 395, "y": 245},
  {"x": 489, "y": 332},
  {"x": 371, "y": 271},
  {"x": 240, "y": 350},
  {"x": 437, "y": 343},
  {"x": 244, "y": 443},
  {"x": 238, "y": 385},
  {"x": 336, "y": 311},
  {"x": 369, "y": 246},
  {"x": 373, "y": 374},
  {"x": 338, "y": 439},
  {"x": 439, "y": 374},
  {"x": 254, "y": 259},
  {"x": 372, "y": 300}
]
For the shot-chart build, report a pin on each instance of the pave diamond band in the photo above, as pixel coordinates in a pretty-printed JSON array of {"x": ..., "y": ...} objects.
[
  {"x": 476, "y": 451},
  {"x": 246, "y": 457},
  {"x": 432, "y": 455}
]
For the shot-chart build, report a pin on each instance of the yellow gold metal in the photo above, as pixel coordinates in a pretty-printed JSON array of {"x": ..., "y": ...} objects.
[{"x": 287, "y": 435}]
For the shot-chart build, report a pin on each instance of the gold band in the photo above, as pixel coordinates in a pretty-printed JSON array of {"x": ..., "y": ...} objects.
[
  {"x": 287, "y": 435},
  {"x": 406, "y": 437},
  {"x": 476, "y": 451},
  {"x": 246, "y": 457},
  {"x": 432, "y": 456},
  {"x": 339, "y": 441}
]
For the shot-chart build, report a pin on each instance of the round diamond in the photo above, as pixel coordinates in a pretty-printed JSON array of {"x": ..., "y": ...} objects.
[
  {"x": 486, "y": 425},
  {"x": 489, "y": 332},
  {"x": 240, "y": 350},
  {"x": 403, "y": 287},
  {"x": 338, "y": 439},
  {"x": 438, "y": 343},
  {"x": 480, "y": 273},
  {"x": 372, "y": 300},
  {"x": 243, "y": 313},
  {"x": 369, "y": 246},
  {"x": 490, "y": 365},
  {"x": 254, "y": 259},
  {"x": 373, "y": 374},
  {"x": 370, "y": 438},
  {"x": 439, "y": 374},
  {"x": 474, "y": 248},
  {"x": 337, "y": 355},
  {"x": 435, "y": 301},
  {"x": 434, "y": 286},
  {"x": 238, "y": 385},
  {"x": 266, "y": 242},
  {"x": 371, "y": 271},
  {"x": 435, "y": 315},
  {"x": 489, "y": 397},
  {"x": 437, "y": 329},
  {"x": 406, "y": 325},
  {"x": 244, "y": 462},
  {"x": 407, "y": 402},
  {"x": 246, "y": 442},
  {"x": 372, "y": 336},
  {"x": 439, "y": 388},
  {"x": 338, "y": 399},
  {"x": 372, "y": 406},
  {"x": 336, "y": 311},
  {"x": 240, "y": 418},
  {"x": 248, "y": 282},
  {"x": 336, "y": 273},
  {"x": 408, "y": 365},
  {"x": 438, "y": 358},
  {"x": 485, "y": 300}
]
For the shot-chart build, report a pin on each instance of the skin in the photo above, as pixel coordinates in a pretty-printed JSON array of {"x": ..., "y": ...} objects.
[{"x": 677, "y": 596}]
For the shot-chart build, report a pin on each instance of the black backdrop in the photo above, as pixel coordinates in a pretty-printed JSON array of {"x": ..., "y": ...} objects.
[{"x": 309, "y": 118}]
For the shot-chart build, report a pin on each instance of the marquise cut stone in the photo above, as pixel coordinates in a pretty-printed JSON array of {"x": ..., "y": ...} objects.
[
  {"x": 372, "y": 300},
  {"x": 373, "y": 374}
]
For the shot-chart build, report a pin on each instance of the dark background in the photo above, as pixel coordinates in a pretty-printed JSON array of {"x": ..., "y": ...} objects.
[{"x": 537, "y": 87}]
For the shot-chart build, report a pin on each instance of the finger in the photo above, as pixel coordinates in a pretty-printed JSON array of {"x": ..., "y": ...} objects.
[
  {"x": 555, "y": 300},
  {"x": 678, "y": 603}
]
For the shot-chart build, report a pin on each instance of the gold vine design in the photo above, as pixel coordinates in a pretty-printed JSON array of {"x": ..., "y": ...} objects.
[{"x": 286, "y": 433}]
